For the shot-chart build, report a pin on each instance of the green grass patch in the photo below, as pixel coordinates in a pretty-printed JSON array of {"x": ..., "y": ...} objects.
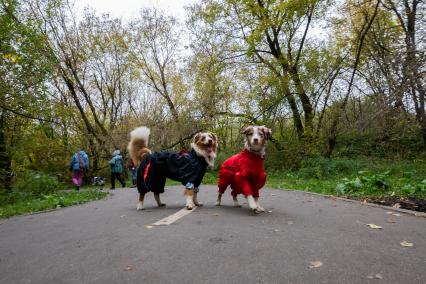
[
  {"x": 359, "y": 179},
  {"x": 30, "y": 204}
]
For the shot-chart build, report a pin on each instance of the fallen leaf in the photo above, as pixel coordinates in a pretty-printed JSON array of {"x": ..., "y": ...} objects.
[
  {"x": 270, "y": 211},
  {"x": 406, "y": 244},
  {"x": 420, "y": 214},
  {"x": 148, "y": 227},
  {"x": 390, "y": 221},
  {"x": 389, "y": 212},
  {"x": 215, "y": 214},
  {"x": 396, "y": 205},
  {"x": 128, "y": 268},
  {"x": 276, "y": 230},
  {"x": 365, "y": 201},
  {"x": 374, "y": 226},
  {"x": 396, "y": 214},
  {"x": 315, "y": 264},
  {"x": 122, "y": 216},
  {"x": 290, "y": 222},
  {"x": 375, "y": 276},
  {"x": 273, "y": 194}
]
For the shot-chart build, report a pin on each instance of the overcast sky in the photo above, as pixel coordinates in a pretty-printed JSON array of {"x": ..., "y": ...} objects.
[{"x": 127, "y": 9}]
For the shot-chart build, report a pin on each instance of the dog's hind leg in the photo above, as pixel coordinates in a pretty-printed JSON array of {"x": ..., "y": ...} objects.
[
  {"x": 157, "y": 198},
  {"x": 140, "y": 203},
  {"x": 259, "y": 208},
  {"x": 219, "y": 199}
]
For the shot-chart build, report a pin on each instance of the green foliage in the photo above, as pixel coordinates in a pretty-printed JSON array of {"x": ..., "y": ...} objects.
[
  {"x": 36, "y": 184},
  {"x": 30, "y": 204},
  {"x": 365, "y": 182}
]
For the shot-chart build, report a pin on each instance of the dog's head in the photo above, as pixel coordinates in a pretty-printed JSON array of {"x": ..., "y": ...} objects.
[
  {"x": 205, "y": 144},
  {"x": 255, "y": 138}
]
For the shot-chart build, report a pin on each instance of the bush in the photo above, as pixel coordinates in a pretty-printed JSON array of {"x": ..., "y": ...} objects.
[
  {"x": 37, "y": 184},
  {"x": 364, "y": 183}
]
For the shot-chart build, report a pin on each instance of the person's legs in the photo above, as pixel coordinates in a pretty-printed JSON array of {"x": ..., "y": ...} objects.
[
  {"x": 112, "y": 180},
  {"x": 77, "y": 179},
  {"x": 120, "y": 179}
]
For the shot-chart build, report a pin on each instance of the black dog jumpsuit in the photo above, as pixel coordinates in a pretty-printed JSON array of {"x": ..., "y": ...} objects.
[{"x": 188, "y": 168}]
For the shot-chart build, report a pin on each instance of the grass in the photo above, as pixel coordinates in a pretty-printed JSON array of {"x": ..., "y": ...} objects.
[
  {"x": 360, "y": 178},
  {"x": 356, "y": 178},
  {"x": 22, "y": 204}
]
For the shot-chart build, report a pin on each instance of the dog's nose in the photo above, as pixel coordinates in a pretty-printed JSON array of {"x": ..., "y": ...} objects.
[
  {"x": 210, "y": 141},
  {"x": 255, "y": 140}
]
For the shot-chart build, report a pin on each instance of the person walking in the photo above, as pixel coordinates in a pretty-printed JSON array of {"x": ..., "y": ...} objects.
[
  {"x": 116, "y": 164},
  {"x": 79, "y": 163}
]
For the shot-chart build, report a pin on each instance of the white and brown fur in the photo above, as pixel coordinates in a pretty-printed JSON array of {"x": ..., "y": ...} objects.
[
  {"x": 203, "y": 143},
  {"x": 255, "y": 138}
]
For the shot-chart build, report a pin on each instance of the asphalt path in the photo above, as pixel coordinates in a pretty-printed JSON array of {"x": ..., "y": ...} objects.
[{"x": 303, "y": 238}]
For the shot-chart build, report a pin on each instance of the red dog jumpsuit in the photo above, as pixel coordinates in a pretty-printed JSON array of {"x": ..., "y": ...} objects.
[{"x": 244, "y": 172}]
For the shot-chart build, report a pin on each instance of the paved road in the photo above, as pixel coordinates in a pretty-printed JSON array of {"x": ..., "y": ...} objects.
[{"x": 108, "y": 242}]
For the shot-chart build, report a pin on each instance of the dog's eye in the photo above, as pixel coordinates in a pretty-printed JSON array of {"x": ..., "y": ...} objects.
[
  {"x": 261, "y": 134},
  {"x": 250, "y": 134}
]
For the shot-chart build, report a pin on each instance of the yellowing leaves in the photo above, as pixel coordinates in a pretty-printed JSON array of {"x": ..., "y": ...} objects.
[
  {"x": 315, "y": 264},
  {"x": 406, "y": 244},
  {"x": 374, "y": 226}
]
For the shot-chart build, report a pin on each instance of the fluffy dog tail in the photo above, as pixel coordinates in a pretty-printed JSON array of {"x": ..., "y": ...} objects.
[{"x": 138, "y": 144}]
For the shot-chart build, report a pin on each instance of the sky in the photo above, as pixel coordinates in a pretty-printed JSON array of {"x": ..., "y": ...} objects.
[{"x": 127, "y": 9}]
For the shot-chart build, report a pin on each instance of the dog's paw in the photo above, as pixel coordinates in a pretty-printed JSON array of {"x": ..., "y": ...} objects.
[
  {"x": 140, "y": 207},
  {"x": 189, "y": 207},
  {"x": 260, "y": 209},
  {"x": 198, "y": 204},
  {"x": 256, "y": 211},
  {"x": 238, "y": 205},
  {"x": 161, "y": 204},
  {"x": 217, "y": 203}
]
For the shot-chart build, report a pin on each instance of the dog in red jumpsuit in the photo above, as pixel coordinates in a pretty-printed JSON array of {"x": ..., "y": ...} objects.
[{"x": 244, "y": 172}]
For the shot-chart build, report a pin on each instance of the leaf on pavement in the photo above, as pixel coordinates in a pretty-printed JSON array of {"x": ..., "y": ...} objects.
[
  {"x": 315, "y": 264},
  {"x": 420, "y": 214},
  {"x": 148, "y": 227},
  {"x": 215, "y": 214},
  {"x": 375, "y": 276},
  {"x": 406, "y": 244},
  {"x": 128, "y": 268},
  {"x": 374, "y": 226},
  {"x": 390, "y": 221},
  {"x": 290, "y": 222},
  {"x": 396, "y": 205},
  {"x": 396, "y": 214}
]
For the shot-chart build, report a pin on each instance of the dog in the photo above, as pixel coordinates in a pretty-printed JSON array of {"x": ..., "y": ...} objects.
[
  {"x": 98, "y": 181},
  {"x": 155, "y": 167},
  {"x": 244, "y": 172}
]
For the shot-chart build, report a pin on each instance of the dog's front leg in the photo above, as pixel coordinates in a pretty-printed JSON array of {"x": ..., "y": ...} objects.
[
  {"x": 236, "y": 203},
  {"x": 140, "y": 203},
  {"x": 259, "y": 208},
  {"x": 195, "y": 199},
  {"x": 219, "y": 199},
  {"x": 158, "y": 200},
  {"x": 252, "y": 204},
  {"x": 189, "y": 199}
]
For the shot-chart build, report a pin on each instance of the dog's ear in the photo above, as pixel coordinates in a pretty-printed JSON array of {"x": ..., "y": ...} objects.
[
  {"x": 246, "y": 130},
  {"x": 266, "y": 131},
  {"x": 214, "y": 136},
  {"x": 197, "y": 137}
]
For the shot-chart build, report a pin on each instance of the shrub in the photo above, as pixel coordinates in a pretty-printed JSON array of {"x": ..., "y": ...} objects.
[{"x": 36, "y": 184}]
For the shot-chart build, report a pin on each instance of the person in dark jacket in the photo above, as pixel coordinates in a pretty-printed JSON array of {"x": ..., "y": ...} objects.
[
  {"x": 133, "y": 172},
  {"x": 116, "y": 164}
]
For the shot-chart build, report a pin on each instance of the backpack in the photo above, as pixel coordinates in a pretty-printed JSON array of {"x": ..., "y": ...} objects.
[{"x": 118, "y": 164}]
